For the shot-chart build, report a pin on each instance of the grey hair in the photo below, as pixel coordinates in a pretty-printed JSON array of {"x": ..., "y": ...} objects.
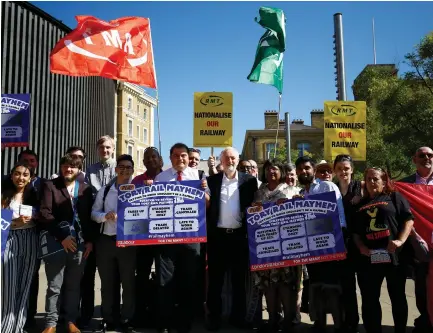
[
  {"x": 289, "y": 167},
  {"x": 422, "y": 148},
  {"x": 228, "y": 149}
]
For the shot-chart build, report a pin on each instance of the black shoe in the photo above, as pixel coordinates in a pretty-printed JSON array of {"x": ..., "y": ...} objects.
[
  {"x": 213, "y": 325},
  {"x": 163, "y": 330},
  {"x": 127, "y": 327},
  {"x": 106, "y": 326}
]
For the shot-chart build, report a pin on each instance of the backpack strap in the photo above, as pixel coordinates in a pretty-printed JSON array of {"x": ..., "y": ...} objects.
[{"x": 106, "y": 190}]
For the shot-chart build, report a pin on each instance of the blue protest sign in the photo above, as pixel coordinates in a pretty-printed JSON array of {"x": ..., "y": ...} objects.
[
  {"x": 163, "y": 213},
  {"x": 297, "y": 232},
  {"x": 5, "y": 226},
  {"x": 15, "y": 120}
]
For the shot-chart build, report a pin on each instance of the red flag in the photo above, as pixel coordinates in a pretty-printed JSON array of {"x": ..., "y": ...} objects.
[
  {"x": 120, "y": 49},
  {"x": 420, "y": 199}
]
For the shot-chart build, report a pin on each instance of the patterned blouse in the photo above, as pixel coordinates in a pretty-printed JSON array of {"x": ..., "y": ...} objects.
[{"x": 289, "y": 275}]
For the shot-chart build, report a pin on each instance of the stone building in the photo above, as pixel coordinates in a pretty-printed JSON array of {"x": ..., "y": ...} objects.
[
  {"x": 135, "y": 123},
  {"x": 259, "y": 143}
]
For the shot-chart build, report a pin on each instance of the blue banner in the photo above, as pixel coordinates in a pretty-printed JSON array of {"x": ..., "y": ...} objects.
[
  {"x": 163, "y": 213},
  {"x": 297, "y": 232},
  {"x": 15, "y": 120},
  {"x": 5, "y": 225}
]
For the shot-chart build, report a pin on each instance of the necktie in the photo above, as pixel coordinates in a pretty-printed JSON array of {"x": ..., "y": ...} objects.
[{"x": 179, "y": 175}]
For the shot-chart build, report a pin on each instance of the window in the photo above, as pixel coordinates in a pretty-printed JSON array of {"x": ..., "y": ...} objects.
[
  {"x": 138, "y": 158},
  {"x": 129, "y": 103},
  {"x": 138, "y": 109},
  {"x": 270, "y": 150},
  {"x": 145, "y": 135},
  {"x": 145, "y": 114},
  {"x": 303, "y": 147},
  {"x": 130, "y": 127},
  {"x": 129, "y": 150},
  {"x": 138, "y": 132}
]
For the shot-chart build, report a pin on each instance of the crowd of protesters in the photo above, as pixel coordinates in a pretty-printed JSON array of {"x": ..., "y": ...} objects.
[{"x": 70, "y": 224}]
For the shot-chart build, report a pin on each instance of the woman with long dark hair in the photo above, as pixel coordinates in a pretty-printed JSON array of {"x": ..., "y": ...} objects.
[
  {"x": 383, "y": 224},
  {"x": 19, "y": 259},
  {"x": 351, "y": 192}
]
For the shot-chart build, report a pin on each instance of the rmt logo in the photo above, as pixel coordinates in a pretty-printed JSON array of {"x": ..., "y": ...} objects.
[
  {"x": 5, "y": 224},
  {"x": 212, "y": 100}
]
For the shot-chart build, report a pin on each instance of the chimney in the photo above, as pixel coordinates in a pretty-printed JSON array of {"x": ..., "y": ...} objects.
[
  {"x": 271, "y": 119},
  {"x": 298, "y": 121},
  {"x": 317, "y": 120}
]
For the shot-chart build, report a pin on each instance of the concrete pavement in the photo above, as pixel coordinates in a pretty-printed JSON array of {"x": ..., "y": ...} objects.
[{"x": 387, "y": 320}]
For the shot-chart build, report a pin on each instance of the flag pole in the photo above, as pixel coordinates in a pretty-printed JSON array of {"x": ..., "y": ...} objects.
[
  {"x": 278, "y": 125},
  {"x": 157, "y": 90}
]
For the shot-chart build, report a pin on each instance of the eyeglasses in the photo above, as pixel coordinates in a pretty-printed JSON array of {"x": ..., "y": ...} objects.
[
  {"x": 325, "y": 171},
  {"x": 194, "y": 150},
  {"x": 425, "y": 155},
  {"x": 125, "y": 167},
  {"x": 246, "y": 168}
]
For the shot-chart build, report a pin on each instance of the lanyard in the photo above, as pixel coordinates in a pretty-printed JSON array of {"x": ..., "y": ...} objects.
[{"x": 74, "y": 204}]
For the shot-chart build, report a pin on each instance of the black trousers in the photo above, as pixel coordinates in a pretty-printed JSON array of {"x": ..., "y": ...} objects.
[
  {"x": 227, "y": 252},
  {"x": 87, "y": 287},
  {"x": 349, "y": 299},
  {"x": 180, "y": 260},
  {"x": 146, "y": 297},
  {"x": 370, "y": 278},
  {"x": 421, "y": 272}
]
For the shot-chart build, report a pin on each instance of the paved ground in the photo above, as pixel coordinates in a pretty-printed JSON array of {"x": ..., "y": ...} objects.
[{"x": 303, "y": 328}]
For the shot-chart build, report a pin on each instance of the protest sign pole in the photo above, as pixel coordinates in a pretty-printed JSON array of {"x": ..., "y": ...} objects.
[
  {"x": 157, "y": 90},
  {"x": 278, "y": 126},
  {"x": 287, "y": 129}
]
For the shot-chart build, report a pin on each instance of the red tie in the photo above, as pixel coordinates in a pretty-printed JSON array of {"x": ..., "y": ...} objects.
[{"x": 179, "y": 175}]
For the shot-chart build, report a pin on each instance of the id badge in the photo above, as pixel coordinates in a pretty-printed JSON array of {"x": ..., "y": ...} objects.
[{"x": 380, "y": 256}]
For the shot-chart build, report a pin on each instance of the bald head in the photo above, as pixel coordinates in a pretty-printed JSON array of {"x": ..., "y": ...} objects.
[{"x": 423, "y": 159}]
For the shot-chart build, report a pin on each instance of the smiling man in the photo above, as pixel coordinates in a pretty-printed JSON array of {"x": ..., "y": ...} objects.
[
  {"x": 178, "y": 260},
  {"x": 423, "y": 160}
]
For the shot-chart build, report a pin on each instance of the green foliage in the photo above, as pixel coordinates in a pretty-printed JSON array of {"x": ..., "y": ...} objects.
[{"x": 400, "y": 109}]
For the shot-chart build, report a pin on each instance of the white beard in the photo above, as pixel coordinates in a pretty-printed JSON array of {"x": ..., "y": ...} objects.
[{"x": 231, "y": 168}]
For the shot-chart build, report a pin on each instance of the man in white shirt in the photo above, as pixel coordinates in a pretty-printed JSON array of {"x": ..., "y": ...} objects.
[
  {"x": 110, "y": 258},
  {"x": 177, "y": 259},
  {"x": 231, "y": 193}
]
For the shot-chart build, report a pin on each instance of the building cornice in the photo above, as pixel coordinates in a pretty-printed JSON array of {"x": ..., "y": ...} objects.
[{"x": 139, "y": 93}]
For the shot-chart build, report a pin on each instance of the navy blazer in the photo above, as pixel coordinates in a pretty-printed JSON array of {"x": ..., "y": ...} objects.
[
  {"x": 247, "y": 185},
  {"x": 56, "y": 207},
  {"x": 409, "y": 179}
]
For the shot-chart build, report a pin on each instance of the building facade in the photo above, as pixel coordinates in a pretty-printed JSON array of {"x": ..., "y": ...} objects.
[
  {"x": 259, "y": 144},
  {"x": 135, "y": 123},
  {"x": 65, "y": 110}
]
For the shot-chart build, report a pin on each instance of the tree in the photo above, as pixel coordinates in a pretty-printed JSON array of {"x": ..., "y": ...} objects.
[
  {"x": 294, "y": 154},
  {"x": 400, "y": 109}
]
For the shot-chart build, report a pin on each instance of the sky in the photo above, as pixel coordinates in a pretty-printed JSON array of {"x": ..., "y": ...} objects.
[{"x": 210, "y": 46}]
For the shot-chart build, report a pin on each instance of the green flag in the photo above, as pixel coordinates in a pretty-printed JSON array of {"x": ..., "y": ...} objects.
[{"x": 268, "y": 64}]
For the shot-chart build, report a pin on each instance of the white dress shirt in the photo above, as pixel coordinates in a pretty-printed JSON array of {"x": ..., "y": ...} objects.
[
  {"x": 230, "y": 211},
  {"x": 110, "y": 205},
  {"x": 170, "y": 175}
]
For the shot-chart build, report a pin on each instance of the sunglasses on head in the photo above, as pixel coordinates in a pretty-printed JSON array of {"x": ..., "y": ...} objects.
[
  {"x": 194, "y": 150},
  {"x": 343, "y": 157},
  {"x": 425, "y": 155}
]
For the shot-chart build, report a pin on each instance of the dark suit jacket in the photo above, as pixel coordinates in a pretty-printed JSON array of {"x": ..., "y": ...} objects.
[
  {"x": 409, "y": 179},
  {"x": 56, "y": 207},
  {"x": 247, "y": 185}
]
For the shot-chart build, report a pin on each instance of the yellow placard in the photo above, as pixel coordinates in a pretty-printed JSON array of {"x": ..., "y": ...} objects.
[
  {"x": 213, "y": 121},
  {"x": 345, "y": 129}
]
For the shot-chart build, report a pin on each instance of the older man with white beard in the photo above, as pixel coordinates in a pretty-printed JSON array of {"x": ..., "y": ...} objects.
[{"x": 231, "y": 193}]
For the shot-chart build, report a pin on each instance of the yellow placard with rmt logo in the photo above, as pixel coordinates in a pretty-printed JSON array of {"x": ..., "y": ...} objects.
[
  {"x": 213, "y": 121},
  {"x": 345, "y": 129}
]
